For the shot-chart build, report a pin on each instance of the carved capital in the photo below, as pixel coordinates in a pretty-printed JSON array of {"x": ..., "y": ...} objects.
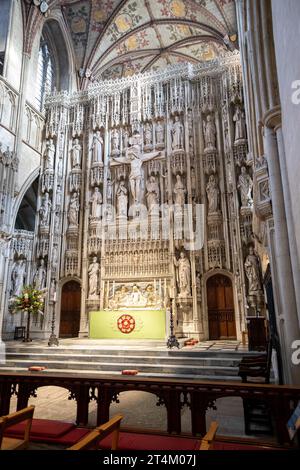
[{"x": 272, "y": 118}]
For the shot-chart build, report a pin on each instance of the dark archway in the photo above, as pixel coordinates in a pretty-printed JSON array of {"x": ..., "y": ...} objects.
[
  {"x": 27, "y": 211},
  {"x": 220, "y": 306},
  {"x": 70, "y": 310}
]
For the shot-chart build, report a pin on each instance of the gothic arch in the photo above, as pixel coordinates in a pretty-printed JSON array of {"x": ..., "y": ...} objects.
[
  {"x": 57, "y": 36},
  {"x": 237, "y": 314},
  {"x": 25, "y": 187},
  {"x": 64, "y": 50},
  {"x": 70, "y": 308},
  {"x": 59, "y": 289}
]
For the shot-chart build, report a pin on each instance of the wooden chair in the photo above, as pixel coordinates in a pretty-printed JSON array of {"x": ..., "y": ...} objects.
[
  {"x": 207, "y": 441},
  {"x": 91, "y": 441},
  {"x": 257, "y": 413},
  {"x": 10, "y": 443}
]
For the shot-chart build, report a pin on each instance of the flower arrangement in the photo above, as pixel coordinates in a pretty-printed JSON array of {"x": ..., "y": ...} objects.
[{"x": 31, "y": 300}]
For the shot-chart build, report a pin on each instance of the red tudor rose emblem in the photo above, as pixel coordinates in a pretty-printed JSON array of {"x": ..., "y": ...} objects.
[{"x": 126, "y": 324}]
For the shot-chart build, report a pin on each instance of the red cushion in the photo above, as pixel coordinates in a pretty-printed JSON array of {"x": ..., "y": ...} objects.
[
  {"x": 129, "y": 372},
  {"x": 67, "y": 439},
  {"x": 72, "y": 437},
  {"x": 135, "y": 441},
  {"x": 236, "y": 446},
  {"x": 43, "y": 428}
]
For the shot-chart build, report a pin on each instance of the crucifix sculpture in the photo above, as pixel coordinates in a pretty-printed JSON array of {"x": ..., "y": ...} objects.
[{"x": 135, "y": 158}]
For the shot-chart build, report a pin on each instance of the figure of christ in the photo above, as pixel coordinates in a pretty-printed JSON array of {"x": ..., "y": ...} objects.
[{"x": 136, "y": 160}]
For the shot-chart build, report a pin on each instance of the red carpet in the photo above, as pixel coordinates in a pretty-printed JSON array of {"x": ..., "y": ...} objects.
[
  {"x": 57, "y": 432},
  {"x": 134, "y": 441},
  {"x": 41, "y": 427}
]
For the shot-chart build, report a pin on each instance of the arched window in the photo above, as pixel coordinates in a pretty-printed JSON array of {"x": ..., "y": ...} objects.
[
  {"x": 46, "y": 75},
  {"x": 4, "y": 26}
]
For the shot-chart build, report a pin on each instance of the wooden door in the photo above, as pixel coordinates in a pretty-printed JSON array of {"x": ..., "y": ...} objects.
[
  {"x": 70, "y": 310},
  {"x": 220, "y": 306}
]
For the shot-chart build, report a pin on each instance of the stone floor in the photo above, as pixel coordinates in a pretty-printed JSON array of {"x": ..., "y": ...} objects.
[{"x": 139, "y": 410}]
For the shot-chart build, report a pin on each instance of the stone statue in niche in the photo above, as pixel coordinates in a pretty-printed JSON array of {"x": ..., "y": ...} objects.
[
  {"x": 177, "y": 134},
  {"x": 245, "y": 185},
  {"x": 45, "y": 211},
  {"x": 226, "y": 140},
  {"x": 159, "y": 132},
  {"x": 152, "y": 194},
  {"x": 134, "y": 157},
  {"x": 191, "y": 134},
  {"x": 93, "y": 273},
  {"x": 213, "y": 192},
  {"x": 76, "y": 154},
  {"x": 264, "y": 190},
  {"x": 54, "y": 257},
  {"x": 253, "y": 272},
  {"x": 148, "y": 134},
  {"x": 18, "y": 277},
  {"x": 49, "y": 155},
  {"x": 229, "y": 176},
  {"x": 115, "y": 142},
  {"x": 179, "y": 191},
  {"x": 125, "y": 138},
  {"x": 40, "y": 276},
  {"x": 122, "y": 199},
  {"x": 109, "y": 190},
  {"x": 73, "y": 210},
  {"x": 108, "y": 215},
  {"x": 58, "y": 196},
  {"x": 96, "y": 202},
  {"x": 209, "y": 129},
  {"x": 56, "y": 221},
  {"x": 97, "y": 147},
  {"x": 240, "y": 124},
  {"x": 183, "y": 275}
]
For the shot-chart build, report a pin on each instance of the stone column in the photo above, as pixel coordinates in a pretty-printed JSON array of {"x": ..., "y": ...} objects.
[
  {"x": 289, "y": 217},
  {"x": 287, "y": 317},
  {"x": 4, "y": 272}
]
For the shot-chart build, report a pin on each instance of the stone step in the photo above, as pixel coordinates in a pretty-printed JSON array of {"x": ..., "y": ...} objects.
[
  {"x": 119, "y": 366},
  {"x": 186, "y": 352},
  {"x": 222, "y": 378},
  {"x": 108, "y": 358},
  {"x": 206, "y": 361}
]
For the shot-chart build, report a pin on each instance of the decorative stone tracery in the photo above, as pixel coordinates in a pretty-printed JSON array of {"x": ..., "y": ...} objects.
[{"x": 136, "y": 152}]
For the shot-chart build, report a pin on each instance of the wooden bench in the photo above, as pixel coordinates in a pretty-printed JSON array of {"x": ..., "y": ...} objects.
[
  {"x": 92, "y": 440},
  {"x": 207, "y": 442},
  {"x": 12, "y": 443}
]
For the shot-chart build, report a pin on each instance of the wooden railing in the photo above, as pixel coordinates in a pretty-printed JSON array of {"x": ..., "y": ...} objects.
[{"x": 171, "y": 393}]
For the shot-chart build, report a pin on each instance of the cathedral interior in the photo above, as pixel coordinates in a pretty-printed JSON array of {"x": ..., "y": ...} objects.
[{"x": 149, "y": 196}]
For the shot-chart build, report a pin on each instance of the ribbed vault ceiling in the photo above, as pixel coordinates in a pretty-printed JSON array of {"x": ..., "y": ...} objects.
[{"x": 115, "y": 38}]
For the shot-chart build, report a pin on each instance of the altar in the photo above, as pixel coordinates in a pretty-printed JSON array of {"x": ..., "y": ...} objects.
[{"x": 128, "y": 324}]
